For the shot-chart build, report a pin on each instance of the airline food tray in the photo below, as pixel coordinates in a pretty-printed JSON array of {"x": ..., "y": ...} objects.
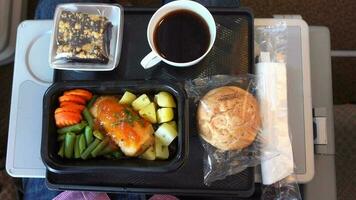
[{"x": 232, "y": 54}]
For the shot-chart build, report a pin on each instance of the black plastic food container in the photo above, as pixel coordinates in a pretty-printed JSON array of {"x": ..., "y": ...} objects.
[{"x": 50, "y": 146}]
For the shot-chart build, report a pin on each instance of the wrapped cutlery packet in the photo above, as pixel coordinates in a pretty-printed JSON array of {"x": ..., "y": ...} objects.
[{"x": 277, "y": 172}]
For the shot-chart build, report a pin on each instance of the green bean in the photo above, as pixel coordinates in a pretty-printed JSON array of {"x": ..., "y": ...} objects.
[
  {"x": 114, "y": 155},
  {"x": 61, "y": 137},
  {"x": 88, "y": 117},
  {"x": 89, "y": 149},
  {"x": 91, "y": 102},
  {"x": 76, "y": 147},
  {"x": 82, "y": 143},
  {"x": 61, "y": 150},
  {"x": 69, "y": 143},
  {"x": 108, "y": 149},
  {"x": 98, "y": 135},
  {"x": 117, "y": 154},
  {"x": 74, "y": 128},
  {"x": 100, "y": 147},
  {"x": 88, "y": 135}
]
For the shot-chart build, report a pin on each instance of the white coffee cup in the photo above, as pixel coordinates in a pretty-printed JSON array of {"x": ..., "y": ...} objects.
[{"x": 153, "y": 57}]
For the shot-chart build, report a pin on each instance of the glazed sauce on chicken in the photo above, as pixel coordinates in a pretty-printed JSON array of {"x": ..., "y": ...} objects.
[{"x": 127, "y": 129}]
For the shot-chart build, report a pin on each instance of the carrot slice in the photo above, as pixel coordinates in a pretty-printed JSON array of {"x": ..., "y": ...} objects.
[
  {"x": 69, "y": 103},
  {"x": 67, "y": 118},
  {"x": 67, "y": 109},
  {"x": 80, "y": 92},
  {"x": 72, "y": 106},
  {"x": 72, "y": 98}
]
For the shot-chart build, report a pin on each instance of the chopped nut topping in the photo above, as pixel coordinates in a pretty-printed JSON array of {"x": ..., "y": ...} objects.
[{"x": 83, "y": 36}]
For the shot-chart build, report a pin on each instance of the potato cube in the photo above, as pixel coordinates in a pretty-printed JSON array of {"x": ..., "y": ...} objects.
[
  {"x": 149, "y": 154},
  {"x": 127, "y": 98},
  {"x": 165, "y": 115},
  {"x": 166, "y": 133},
  {"x": 140, "y": 102},
  {"x": 162, "y": 151},
  {"x": 164, "y": 99},
  {"x": 149, "y": 113},
  {"x": 173, "y": 124}
]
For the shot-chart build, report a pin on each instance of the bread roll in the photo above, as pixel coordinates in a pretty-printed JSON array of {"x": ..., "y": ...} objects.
[{"x": 228, "y": 118}]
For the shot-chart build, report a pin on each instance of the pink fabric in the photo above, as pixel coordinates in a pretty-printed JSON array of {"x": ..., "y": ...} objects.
[
  {"x": 76, "y": 195},
  {"x": 163, "y": 197}
]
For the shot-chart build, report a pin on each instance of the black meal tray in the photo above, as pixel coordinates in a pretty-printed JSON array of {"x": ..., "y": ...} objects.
[
  {"x": 232, "y": 54},
  {"x": 49, "y": 147}
]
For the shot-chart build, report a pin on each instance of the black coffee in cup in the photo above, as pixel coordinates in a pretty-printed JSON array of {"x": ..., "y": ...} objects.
[{"x": 181, "y": 36}]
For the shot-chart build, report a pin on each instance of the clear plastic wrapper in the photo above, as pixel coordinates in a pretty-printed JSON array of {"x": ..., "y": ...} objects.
[
  {"x": 86, "y": 37},
  {"x": 229, "y": 124},
  {"x": 272, "y": 39},
  {"x": 285, "y": 189},
  {"x": 278, "y": 172}
]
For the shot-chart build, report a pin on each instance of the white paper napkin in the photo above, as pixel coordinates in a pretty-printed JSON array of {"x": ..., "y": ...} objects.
[{"x": 274, "y": 111}]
